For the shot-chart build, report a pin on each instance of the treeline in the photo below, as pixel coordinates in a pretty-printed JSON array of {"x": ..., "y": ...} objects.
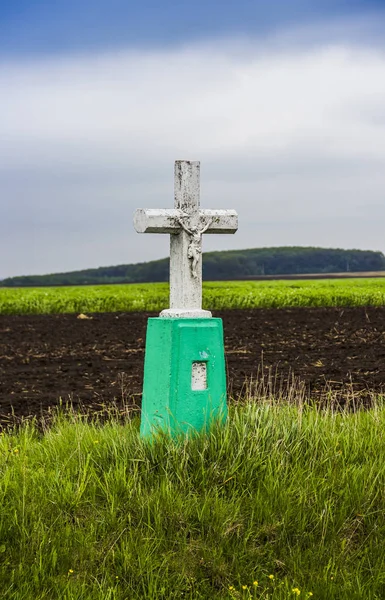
[{"x": 225, "y": 265}]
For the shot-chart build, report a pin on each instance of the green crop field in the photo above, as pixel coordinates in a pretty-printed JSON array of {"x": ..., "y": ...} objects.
[{"x": 216, "y": 296}]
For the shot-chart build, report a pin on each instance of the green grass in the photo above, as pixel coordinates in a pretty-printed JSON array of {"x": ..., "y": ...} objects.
[
  {"x": 90, "y": 511},
  {"x": 216, "y": 296}
]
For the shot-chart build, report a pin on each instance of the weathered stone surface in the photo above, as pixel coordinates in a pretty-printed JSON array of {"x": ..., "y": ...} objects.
[{"x": 186, "y": 223}]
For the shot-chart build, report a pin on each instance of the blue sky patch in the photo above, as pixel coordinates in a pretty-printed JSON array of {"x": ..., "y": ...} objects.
[{"x": 62, "y": 26}]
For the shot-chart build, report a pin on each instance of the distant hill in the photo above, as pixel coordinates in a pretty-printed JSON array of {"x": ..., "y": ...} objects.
[{"x": 225, "y": 265}]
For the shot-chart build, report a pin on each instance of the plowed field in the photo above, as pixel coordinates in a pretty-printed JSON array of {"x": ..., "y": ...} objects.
[{"x": 96, "y": 360}]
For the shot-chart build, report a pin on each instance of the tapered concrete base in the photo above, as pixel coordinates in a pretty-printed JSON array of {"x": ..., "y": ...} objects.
[{"x": 184, "y": 375}]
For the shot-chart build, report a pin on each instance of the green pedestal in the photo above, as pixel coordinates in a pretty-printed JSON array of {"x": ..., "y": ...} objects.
[{"x": 184, "y": 385}]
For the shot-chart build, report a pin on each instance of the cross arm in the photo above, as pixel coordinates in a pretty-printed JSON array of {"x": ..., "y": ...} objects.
[
  {"x": 222, "y": 221},
  {"x": 151, "y": 220}
]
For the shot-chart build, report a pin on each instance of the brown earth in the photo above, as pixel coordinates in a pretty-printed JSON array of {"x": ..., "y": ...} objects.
[{"x": 93, "y": 361}]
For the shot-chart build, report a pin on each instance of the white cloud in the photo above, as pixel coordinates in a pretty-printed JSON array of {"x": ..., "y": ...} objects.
[{"x": 293, "y": 137}]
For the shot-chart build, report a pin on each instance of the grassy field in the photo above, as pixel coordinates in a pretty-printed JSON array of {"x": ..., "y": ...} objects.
[
  {"x": 283, "y": 502},
  {"x": 216, "y": 296}
]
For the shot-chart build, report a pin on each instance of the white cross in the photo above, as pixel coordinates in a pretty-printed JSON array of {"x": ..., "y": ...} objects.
[{"x": 186, "y": 224}]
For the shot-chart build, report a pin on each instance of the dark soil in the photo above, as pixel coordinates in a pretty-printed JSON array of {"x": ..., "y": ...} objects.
[{"x": 96, "y": 360}]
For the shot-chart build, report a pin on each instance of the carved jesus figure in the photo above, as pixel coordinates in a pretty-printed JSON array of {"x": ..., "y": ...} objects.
[{"x": 195, "y": 246}]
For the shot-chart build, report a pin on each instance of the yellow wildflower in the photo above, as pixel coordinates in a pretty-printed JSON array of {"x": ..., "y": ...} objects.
[
  {"x": 255, "y": 583},
  {"x": 70, "y": 571},
  {"x": 231, "y": 587},
  {"x": 296, "y": 591},
  {"x": 271, "y": 577},
  {"x": 244, "y": 587}
]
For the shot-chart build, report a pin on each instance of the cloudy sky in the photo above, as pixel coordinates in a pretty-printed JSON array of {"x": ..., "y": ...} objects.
[{"x": 283, "y": 102}]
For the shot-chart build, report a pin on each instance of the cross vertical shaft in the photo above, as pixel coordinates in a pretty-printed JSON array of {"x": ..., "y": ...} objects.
[{"x": 185, "y": 289}]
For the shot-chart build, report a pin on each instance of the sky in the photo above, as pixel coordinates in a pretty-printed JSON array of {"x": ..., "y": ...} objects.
[{"x": 283, "y": 102}]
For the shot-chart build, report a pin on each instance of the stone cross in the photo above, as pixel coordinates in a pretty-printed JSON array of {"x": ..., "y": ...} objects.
[{"x": 186, "y": 224}]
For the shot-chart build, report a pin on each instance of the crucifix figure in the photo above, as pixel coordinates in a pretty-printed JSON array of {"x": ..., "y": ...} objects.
[
  {"x": 186, "y": 224},
  {"x": 195, "y": 246}
]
